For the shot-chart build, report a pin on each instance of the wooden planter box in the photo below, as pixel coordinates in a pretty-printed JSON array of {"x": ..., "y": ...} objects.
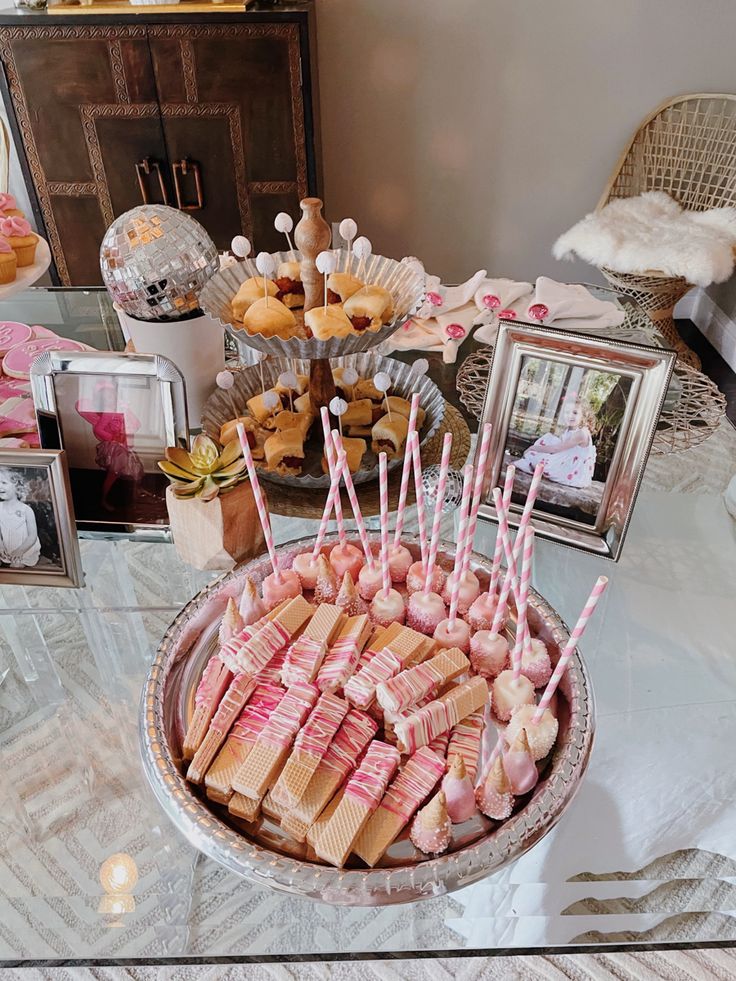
[{"x": 216, "y": 534}]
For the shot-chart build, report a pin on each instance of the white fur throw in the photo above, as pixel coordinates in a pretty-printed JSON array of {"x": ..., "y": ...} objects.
[{"x": 651, "y": 233}]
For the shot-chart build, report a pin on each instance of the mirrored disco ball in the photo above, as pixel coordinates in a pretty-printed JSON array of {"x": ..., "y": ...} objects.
[
  {"x": 453, "y": 488},
  {"x": 155, "y": 261}
]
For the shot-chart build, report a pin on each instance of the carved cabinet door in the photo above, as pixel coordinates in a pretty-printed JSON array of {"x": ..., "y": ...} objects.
[
  {"x": 88, "y": 117},
  {"x": 233, "y": 122}
]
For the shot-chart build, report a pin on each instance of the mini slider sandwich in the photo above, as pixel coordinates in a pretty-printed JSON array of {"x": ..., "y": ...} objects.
[
  {"x": 289, "y": 283},
  {"x": 340, "y": 286},
  {"x": 285, "y": 452},
  {"x": 369, "y": 309},
  {"x": 327, "y": 322},
  {"x": 389, "y": 435}
]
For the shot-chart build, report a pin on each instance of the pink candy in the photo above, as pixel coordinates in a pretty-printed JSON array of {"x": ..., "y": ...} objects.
[
  {"x": 450, "y": 635},
  {"x": 481, "y": 612},
  {"x": 305, "y": 566},
  {"x": 415, "y": 578},
  {"x": 275, "y": 592},
  {"x": 370, "y": 581},
  {"x": 347, "y": 558},
  {"x": 399, "y": 562},
  {"x": 488, "y": 653},
  {"x": 425, "y": 612},
  {"x": 388, "y": 608},
  {"x": 469, "y": 590}
]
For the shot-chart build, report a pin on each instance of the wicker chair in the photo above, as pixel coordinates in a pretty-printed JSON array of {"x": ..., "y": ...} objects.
[{"x": 686, "y": 147}]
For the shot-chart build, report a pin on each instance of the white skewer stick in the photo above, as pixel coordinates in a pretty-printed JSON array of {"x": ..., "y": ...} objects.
[{"x": 284, "y": 223}]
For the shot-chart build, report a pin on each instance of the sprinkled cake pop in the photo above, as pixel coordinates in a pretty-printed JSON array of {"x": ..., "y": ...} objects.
[
  {"x": 345, "y": 557},
  {"x": 275, "y": 591},
  {"x": 535, "y": 663},
  {"x": 469, "y": 590},
  {"x": 518, "y": 764},
  {"x": 232, "y": 622},
  {"x": 251, "y": 606},
  {"x": 326, "y": 589},
  {"x": 493, "y": 796},
  {"x": 541, "y": 735},
  {"x": 488, "y": 653},
  {"x": 306, "y": 567},
  {"x": 425, "y": 612},
  {"x": 348, "y": 599},
  {"x": 458, "y": 791},
  {"x": 415, "y": 579},
  {"x": 431, "y": 831},
  {"x": 457, "y": 634},
  {"x": 509, "y": 693},
  {"x": 481, "y": 612},
  {"x": 399, "y": 562},
  {"x": 388, "y": 607}
]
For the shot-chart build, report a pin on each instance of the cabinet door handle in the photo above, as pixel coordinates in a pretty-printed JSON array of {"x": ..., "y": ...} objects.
[
  {"x": 184, "y": 167},
  {"x": 143, "y": 169}
]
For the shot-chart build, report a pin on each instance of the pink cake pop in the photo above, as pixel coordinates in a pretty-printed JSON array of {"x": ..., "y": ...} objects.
[
  {"x": 541, "y": 735},
  {"x": 535, "y": 663},
  {"x": 399, "y": 562},
  {"x": 425, "y": 612},
  {"x": 387, "y": 608},
  {"x": 481, "y": 612},
  {"x": 468, "y": 592},
  {"x": 488, "y": 653},
  {"x": 345, "y": 557},
  {"x": 518, "y": 764},
  {"x": 279, "y": 586},
  {"x": 457, "y": 634},
  {"x": 493, "y": 796},
  {"x": 232, "y": 622},
  {"x": 458, "y": 791},
  {"x": 415, "y": 578},
  {"x": 348, "y": 599},
  {"x": 431, "y": 831},
  {"x": 305, "y": 566},
  {"x": 326, "y": 588},
  {"x": 509, "y": 693},
  {"x": 370, "y": 581}
]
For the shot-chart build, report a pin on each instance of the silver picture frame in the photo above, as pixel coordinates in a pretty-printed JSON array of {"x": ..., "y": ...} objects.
[
  {"x": 52, "y": 372},
  {"x": 58, "y": 561},
  {"x": 646, "y": 371}
]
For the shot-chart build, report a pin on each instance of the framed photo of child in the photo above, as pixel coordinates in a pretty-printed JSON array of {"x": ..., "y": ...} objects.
[
  {"x": 38, "y": 537},
  {"x": 114, "y": 414},
  {"x": 581, "y": 410}
]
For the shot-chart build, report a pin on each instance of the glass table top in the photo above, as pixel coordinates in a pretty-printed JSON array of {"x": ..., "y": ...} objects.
[{"x": 91, "y": 868}]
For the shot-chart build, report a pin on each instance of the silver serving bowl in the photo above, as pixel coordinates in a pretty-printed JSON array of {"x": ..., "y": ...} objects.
[
  {"x": 404, "y": 283},
  {"x": 263, "y": 854},
  {"x": 218, "y": 409}
]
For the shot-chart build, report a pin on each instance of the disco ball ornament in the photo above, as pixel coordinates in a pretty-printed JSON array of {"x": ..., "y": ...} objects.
[
  {"x": 453, "y": 488},
  {"x": 155, "y": 261}
]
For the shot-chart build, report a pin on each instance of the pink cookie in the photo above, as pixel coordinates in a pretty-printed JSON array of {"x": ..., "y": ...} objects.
[
  {"x": 39, "y": 331},
  {"x": 12, "y": 387},
  {"x": 12, "y": 334},
  {"x": 17, "y": 362},
  {"x": 17, "y": 415}
]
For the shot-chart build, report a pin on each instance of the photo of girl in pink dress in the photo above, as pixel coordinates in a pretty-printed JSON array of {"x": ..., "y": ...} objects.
[
  {"x": 569, "y": 456},
  {"x": 113, "y": 426}
]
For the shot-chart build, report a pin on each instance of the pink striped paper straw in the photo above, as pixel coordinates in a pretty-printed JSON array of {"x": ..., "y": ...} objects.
[
  {"x": 508, "y": 489},
  {"x": 329, "y": 503},
  {"x": 480, "y": 472},
  {"x": 566, "y": 656},
  {"x": 406, "y": 470},
  {"x": 497, "y": 751},
  {"x": 509, "y": 582},
  {"x": 330, "y": 455},
  {"x": 526, "y": 514},
  {"x": 434, "y": 543},
  {"x": 357, "y": 513},
  {"x": 521, "y": 626},
  {"x": 419, "y": 492},
  {"x": 383, "y": 506},
  {"x": 462, "y": 537},
  {"x": 260, "y": 503}
]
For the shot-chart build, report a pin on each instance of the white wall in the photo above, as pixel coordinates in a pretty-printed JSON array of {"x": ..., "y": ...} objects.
[{"x": 472, "y": 132}]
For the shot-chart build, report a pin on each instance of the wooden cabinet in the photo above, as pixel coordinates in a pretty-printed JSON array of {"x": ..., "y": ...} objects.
[{"x": 207, "y": 114}]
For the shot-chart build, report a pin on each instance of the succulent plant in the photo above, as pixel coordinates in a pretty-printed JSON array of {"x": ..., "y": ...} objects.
[{"x": 206, "y": 470}]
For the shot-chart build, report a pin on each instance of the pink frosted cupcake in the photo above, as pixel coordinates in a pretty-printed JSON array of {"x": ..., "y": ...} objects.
[
  {"x": 9, "y": 207},
  {"x": 20, "y": 238},
  {"x": 8, "y": 262}
]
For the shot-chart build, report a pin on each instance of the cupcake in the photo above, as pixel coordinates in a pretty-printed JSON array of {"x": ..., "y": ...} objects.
[
  {"x": 8, "y": 262},
  {"x": 8, "y": 207},
  {"x": 20, "y": 238}
]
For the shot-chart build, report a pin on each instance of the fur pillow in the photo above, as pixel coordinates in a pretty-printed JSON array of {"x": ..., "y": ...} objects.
[{"x": 651, "y": 233}]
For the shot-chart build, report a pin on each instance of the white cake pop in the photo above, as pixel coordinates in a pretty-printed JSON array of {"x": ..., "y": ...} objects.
[
  {"x": 275, "y": 591},
  {"x": 488, "y": 653},
  {"x": 347, "y": 558},
  {"x": 509, "y": 693},
  {"x": 370, "y": 581},
  {"x": 399, "y": 562},
  {"x": 469, "y": 590},
  {"x": 415, "y": 579},
  {"x": 388, "y": 608},
  {"x": 535, "y": 663},
  {"x": 455, "y": 635},
  {"x": 541, "y": 736},
  {"x": 307, "y": 568},
  {"x": 481, "y": 612}
]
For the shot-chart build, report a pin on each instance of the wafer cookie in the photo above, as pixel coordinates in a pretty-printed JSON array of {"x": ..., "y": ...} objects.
[
  {"x": 380, "y": 637},
  {"x": 465, "y": 740},
  {"x": 253, "y": 654},
  {"x": 404, "y": 796},
  {"x": 304, "y": 657},
  {"x": 212, "y": 686},
  {"x": 360, "y": 690},
  {"x": 410, "y": 686},
  {"x": 239, "y": 691},
  {"x": 441, "y": 714},
  {"x": 244, "y": 808},
  {"x": 344, "y": 653}
]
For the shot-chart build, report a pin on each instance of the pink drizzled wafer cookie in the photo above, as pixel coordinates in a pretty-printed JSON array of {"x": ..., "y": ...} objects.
[
  {"x": 361, "y": 688},
  {"x": 408, "y": 687},
  {"x": 465, "y": 741},
  {"x": 405, "y": 794},
  {"x": 309, "y": 749},
  {"x": 238, "y": 692},
  {"x": 210, "y": 690},
  {"x": 273, "y": 744},
  {"x": 363, "y": 794},
  {"x": 304, "y": 657},
  {"x": 440, "y": 715},
  {"x": 344, "y": 653},
  {"x": 251, "y": 653}
]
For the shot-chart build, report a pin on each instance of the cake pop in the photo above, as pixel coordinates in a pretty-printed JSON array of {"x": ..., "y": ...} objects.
[
  {"x": 481, "y": 612},
  {"x": 493, "y": 796},
  {"x": 399, "y": 562},
  {"x": 469, "y": 590},
  {"x": 424, "y": 612},
  {"x": 518, "y": 764},
  {"x": 448, "y": 634},
  {"x": 345, "y": 557},
  {"x": 431, "y": 831},
  {"x": 279, "y": 586},
  {"x": 509, "y": 693},
  {"x": 306, "y": 567},
  {"x": 541, "y": 735},
  {"x": 326, "y": 589},
  {"x": 489, "y": 653},
  {"x": 251, "y": 606},
  {"x": 370, "y": 581},
  {"x": 348, "y": 599},
  {"x": 388, "y": 607},
  {"x": 415, "y": 579},
  {"x": 232, "y": 623},
  {"x": 458, "y": 791},
  {"x": 535, "y": 663}
]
